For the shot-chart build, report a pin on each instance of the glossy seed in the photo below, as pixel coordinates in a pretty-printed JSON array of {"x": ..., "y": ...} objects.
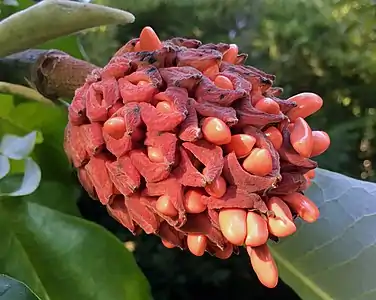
[
  {"x": 115, "y": 127},
  {"x": 216, "y": 131},
  {"x": 231, "y": 54},
  {"x": 223, "y": 82},
  {"x": 280, "y": 225},
  {"x": 233, "y": 224},
  {"x": 241, "y": 145},
  {"x": 258, "y": 162},
  {"x": 275, "y": 136},
  {"x": 257, "y": 230},
  {"x": 217, "y": 188},
  {"x": 149, "y": 40},
  {"x": 307, "y": 104},
  {"x": 303, "y": 206},
  {"x": 321, "y": 142},
  {"x": 268, "y": 105},
  {"x": 193, "y": 201},
  {"x": 155, "y": 155},
  {"x": 196, "y": 243},
  {"x": 301, "y": 137},
  {"x": 264, "y": 265},
  {"x": 164, "y": 206}
]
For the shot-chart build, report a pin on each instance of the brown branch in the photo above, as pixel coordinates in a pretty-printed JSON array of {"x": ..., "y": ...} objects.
[{"x": 53, "y": 73}]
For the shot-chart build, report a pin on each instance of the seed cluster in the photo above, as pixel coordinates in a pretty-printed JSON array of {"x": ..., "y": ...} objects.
[{"x": 182, "y": 140}]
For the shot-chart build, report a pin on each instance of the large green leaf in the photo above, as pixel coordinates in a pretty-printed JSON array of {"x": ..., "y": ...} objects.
[
  {"x": 334, "y": 258},
  {"x": 12, "y": 289},
  {"x": 62, "y": 257},
  {"x": 64, "y": 196},
  {"x": 66, "y": 17}
]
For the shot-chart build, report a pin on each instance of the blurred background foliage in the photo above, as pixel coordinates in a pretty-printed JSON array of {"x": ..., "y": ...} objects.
[{"x": 324, "y": 46}]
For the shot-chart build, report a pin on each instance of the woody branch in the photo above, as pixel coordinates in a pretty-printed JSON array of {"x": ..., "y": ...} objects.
[{"x": 53, "y": 73}]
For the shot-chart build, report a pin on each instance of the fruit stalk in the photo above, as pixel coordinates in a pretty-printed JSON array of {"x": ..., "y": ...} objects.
[{"x": 54, "y": 74}]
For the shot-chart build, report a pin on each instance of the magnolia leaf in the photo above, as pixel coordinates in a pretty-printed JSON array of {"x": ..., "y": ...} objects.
[
  {"x": 16, "y": 147},
  {"x": 333, "y": 258},
  {"x": 4, "y": 166},
  {"x": 12, "y": 289},
  {"x": 62, "y": 257},
  {"x": 51, "y": 19}
]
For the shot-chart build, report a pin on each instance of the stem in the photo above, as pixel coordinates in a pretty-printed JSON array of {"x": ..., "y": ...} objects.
[
  {"x": 53, "y": 73},
  {"x": 23, "y": 91}
]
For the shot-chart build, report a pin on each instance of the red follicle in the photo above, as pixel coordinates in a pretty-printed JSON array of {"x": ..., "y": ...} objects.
[
  {"x": 211, "y": 156},
  {"x": 152, "y": 172},
  {"x": 124, "y": 175}
]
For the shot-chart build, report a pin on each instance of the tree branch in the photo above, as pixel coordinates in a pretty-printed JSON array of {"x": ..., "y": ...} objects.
[{"x": 53, "y": 73}]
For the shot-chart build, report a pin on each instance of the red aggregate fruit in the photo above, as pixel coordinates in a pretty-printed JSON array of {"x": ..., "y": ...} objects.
[{"x": 183, "y": 140}]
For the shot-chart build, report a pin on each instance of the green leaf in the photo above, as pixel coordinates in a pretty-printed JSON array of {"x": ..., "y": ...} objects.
[
  {"x": 57, "y": 196},
  {"x": 6, "y": 104},
  {"x": 66, "y": 17},
  {"x": 4, "y": 166},
  {"x": 16, "y": 147},
  {"x": 63, "y": 257},
  {"x": 333, "y": 258},
  {"x": 12, "y": 289}
]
